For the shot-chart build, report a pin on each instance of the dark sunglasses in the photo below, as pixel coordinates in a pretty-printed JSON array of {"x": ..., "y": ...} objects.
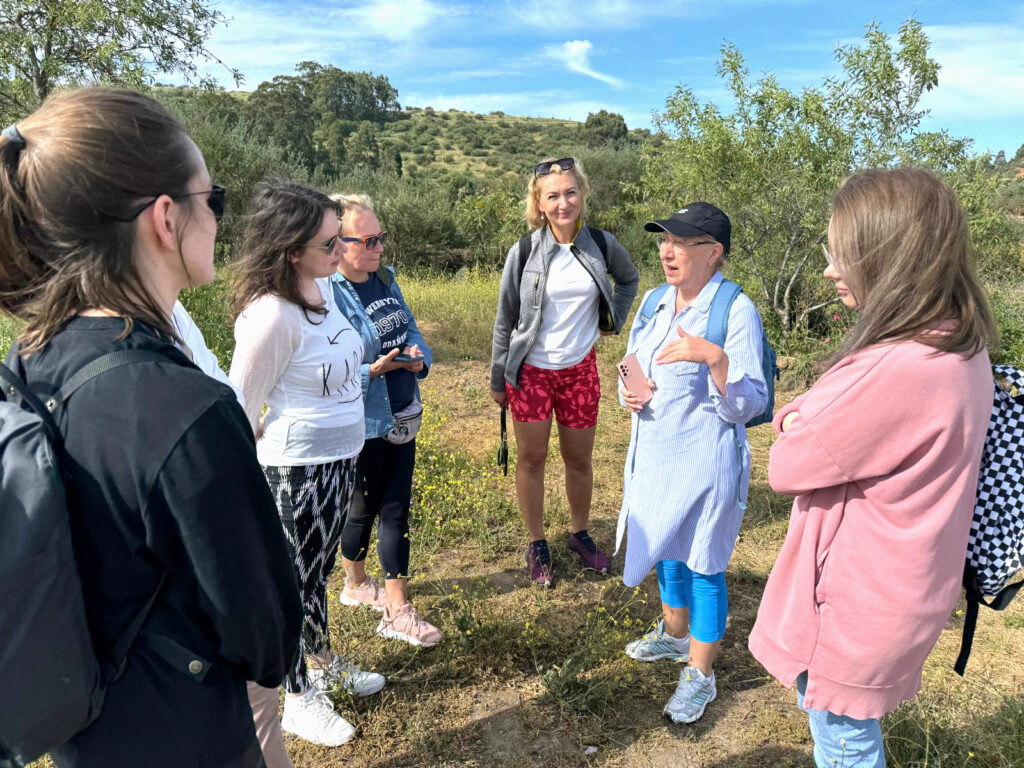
[
  {"x": 326, "y": 247},
  {"x": 215, "y": 201},
  {"x": 503, "y": 447},
  {"x": 369, "y": 242},
  {"x": 543, "y": 169}
]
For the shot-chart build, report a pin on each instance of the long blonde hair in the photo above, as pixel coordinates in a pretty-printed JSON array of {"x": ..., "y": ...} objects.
[
  {"x": 533, "y": 215},
  {"x": 899, "y": 239}
]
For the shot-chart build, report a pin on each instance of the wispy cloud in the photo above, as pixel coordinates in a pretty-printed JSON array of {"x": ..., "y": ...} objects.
[
  {"x": 982, "y": 70},
  {"x": 575, "y": 54},
  {"x": 398, "y": 20}
]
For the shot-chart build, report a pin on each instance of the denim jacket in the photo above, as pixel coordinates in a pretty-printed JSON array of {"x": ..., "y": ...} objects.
[{"x": 378, "y": 416}]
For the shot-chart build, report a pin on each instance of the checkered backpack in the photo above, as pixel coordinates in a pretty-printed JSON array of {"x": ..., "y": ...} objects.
[{"x": 995, "y": 549}]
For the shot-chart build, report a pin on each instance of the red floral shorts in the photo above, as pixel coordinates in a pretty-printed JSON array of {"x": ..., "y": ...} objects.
[{"x": 573, "y": 393}]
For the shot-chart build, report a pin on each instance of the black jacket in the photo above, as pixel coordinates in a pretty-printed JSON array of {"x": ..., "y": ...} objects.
[{"x": 164, "y": 470}]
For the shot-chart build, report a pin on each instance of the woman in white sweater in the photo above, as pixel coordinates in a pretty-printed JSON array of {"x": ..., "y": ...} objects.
[{"x": 296, "y": 354}]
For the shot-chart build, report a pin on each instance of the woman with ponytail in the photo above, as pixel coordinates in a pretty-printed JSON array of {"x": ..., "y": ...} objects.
[{"x": 107, "y": 211}]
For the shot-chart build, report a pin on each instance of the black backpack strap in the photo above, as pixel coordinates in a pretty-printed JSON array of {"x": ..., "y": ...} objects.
[
  {"x": 602, "y": 242},
  {"x": 98, "y": 367},
  {"x": 16, "y": 390},
  {"x": 525, "y": 246},
  {"x": 119, "y": 651},
  {"x": 970, "y": 623}
]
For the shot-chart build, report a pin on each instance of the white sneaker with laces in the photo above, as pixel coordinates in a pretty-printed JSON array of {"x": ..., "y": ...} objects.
[
  {"x": 312, "y": 717},
  {"x": 693, "y": 694},
  {"x": 344, "y": 674},
  {"x": 658, "y": 644}
]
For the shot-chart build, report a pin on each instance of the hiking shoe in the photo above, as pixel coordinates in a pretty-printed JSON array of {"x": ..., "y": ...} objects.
[
  {"x": 312, "y": 717},
  {"x": 405, "y": 624},
  {"x": 368, "y": 593},
  {"x": 657, "y": 644},
  {"x": 345, "y": 675},
  {"x": 692, "y": 696},
  {"x": 538, "y": 563},
  {"x": 592, "y": 557}
]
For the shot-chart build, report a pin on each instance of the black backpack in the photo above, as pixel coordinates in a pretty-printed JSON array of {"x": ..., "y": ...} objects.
[
  {"x": 53, "y": 680},
  {"x": 995, "y": 549}
]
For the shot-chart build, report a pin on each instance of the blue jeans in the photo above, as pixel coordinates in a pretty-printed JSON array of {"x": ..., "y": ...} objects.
[
  {"x": 841, "y": 741},
  {"x": 704, "y": 596}
]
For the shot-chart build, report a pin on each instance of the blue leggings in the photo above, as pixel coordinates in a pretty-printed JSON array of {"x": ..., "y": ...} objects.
[{"x": 703, "y": 595}]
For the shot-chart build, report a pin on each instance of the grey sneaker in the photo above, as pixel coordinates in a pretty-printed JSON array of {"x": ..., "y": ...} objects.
[
  {"x": 693, "y": 694},
  {"x": 656, "y": 645}
]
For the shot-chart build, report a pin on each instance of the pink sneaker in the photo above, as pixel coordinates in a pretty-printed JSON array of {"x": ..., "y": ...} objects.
[
  {"x": 368, "y": 593},
  {"x": 405, "y": 624}
]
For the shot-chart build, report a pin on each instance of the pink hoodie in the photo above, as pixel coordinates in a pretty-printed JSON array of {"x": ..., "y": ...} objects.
[{"x": 883, "y": 463}]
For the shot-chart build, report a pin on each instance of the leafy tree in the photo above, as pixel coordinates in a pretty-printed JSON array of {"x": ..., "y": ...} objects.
[
  {"x": 48, "y": 44},
  {"x": 281, "y": 111},
  {"x": 361, "y": 147},
  {"x": 773, "y": 162},
  {"x": 604, "y": 127}
]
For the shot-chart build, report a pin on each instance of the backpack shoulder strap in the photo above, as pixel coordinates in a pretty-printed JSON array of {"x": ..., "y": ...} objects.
[
  {"x": 98, "y": 367},
  {"x": 525, "y": 246},
  {"x": 650, "y": 305},
  {"x": 601, "y": 240},
  {"x": 718, "y": 321}
]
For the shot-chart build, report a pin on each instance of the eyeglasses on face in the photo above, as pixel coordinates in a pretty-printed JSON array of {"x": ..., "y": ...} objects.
[
  {"x": 543, "y": 169},
  {"x": 368, "y": 242},
  {"x": 828, "y": 255},
  {"x": 680, "y": 246},
  {"x": 215, "y": 201},
  {"x": 325, "y": 247}
]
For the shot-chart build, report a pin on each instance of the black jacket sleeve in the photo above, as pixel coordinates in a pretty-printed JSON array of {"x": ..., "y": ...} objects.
[{"x": 211, "y": 518}]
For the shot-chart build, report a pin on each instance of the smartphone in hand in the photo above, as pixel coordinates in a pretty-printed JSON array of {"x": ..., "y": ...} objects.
[
  {"x": 633, "y": 378},
  {"x": 402, "y": 358}
]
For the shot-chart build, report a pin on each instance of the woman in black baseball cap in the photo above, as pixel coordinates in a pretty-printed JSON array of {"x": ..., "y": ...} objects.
[{"x": 688, "y": 466}]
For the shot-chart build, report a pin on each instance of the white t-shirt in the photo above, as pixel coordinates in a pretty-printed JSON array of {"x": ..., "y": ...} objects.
[
  {"x": 568, "y": 319},
  {"x": 308, "y": 375}
]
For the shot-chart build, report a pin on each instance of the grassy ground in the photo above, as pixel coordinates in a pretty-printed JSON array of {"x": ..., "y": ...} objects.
[{"x": 526, "y": 677}]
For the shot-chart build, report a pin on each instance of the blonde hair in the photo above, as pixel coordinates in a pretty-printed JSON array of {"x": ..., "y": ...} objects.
[
  {"x": 899, "y": 239},
  {"x": 350, "y": 203},
  {"x": 533, "y": 215}
]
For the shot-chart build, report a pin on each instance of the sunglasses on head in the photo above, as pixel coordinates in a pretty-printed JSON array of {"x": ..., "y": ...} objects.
[
  {"x": 215, "y": 201},
  {"x": 368, "y": 242},
  {"x": 543, "y": 169}
]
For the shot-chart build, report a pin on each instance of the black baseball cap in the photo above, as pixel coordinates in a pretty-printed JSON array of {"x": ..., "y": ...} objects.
[{"x": 693, "y": 220}]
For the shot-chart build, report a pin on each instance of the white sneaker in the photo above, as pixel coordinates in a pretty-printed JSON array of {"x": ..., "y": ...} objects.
[
  {"x": 692, "y": 696},
  {"x": 312, "y": 717},
  {"x": 657, "y": 644},
  {"x": 345, "y": 675}
]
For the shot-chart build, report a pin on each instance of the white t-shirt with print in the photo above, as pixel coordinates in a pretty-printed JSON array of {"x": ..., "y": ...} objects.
[{"x": 306, "y": 370}]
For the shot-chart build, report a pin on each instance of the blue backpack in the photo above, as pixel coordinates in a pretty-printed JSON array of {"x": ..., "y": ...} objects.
[{"x": 718, "y": 326}]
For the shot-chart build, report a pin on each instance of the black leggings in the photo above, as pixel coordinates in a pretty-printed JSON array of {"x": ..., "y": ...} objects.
[{"x": 385, "y": 473}]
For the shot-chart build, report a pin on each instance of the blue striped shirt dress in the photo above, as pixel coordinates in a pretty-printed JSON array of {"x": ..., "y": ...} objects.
[{"x": 688, "y": 466}]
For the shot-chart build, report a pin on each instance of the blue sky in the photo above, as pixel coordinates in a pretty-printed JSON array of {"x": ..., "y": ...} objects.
[{"x": 560, "y": 58}]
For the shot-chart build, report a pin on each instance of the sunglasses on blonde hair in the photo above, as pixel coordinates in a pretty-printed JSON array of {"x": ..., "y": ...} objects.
[{"x": 543, "y": 169}]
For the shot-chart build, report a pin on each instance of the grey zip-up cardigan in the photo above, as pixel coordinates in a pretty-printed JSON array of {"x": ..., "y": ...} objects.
[{"x": 522, "y": 292}]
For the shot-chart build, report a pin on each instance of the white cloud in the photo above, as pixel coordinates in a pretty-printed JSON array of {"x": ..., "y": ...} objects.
[
  {"x": 397, "y": 20},
  {"x": 982, "y": 73},
  {"x": 575, "y": 54}
]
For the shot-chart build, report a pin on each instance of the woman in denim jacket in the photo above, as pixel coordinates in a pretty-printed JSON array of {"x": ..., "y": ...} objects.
[{"x": 369, "y": 296}]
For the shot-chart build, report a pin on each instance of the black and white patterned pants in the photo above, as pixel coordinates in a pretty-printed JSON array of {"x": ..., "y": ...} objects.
[{"x": 313, "y": 502}]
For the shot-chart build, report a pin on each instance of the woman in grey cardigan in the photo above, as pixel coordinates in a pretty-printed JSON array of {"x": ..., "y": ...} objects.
[{"x": 555, "y": 301}]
